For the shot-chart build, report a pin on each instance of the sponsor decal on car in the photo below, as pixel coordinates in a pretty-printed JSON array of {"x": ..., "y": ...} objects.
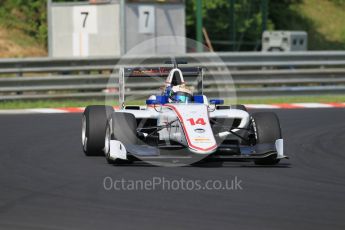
[
  {"x": 203, "y": 140},
  {"x": 199, "y": 130}
]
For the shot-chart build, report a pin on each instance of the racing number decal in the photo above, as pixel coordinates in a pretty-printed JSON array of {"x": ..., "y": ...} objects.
[{"x": 199, "y": 121}]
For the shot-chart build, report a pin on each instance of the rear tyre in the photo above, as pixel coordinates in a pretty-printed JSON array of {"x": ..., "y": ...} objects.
[
  {"x": 124, "y": 127},
  {"x": 267, "y": 130},
  {"x": 94, "y": 121}
]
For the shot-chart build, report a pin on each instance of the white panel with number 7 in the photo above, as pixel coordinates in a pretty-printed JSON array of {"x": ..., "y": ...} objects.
[
  {"x": 85, "y": 19},
  {"x": 146, "y": 19}
]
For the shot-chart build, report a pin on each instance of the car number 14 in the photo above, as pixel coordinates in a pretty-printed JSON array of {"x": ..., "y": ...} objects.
[{"x": 199, "y": 121}]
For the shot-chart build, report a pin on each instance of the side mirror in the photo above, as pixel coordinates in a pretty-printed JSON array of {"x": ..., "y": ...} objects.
[
  {"x": 160, "y": 100},
  {"x": 198, "y": 99},
  {"x": 216, "y": 101},
  {"x": 151, "y": 102}
]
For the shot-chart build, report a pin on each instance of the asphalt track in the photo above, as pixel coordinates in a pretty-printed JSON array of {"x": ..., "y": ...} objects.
[{"x": 47, "y": 183}]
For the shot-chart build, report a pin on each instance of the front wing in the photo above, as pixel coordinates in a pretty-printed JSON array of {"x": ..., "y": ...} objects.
[{"x": 223, "y": 153}]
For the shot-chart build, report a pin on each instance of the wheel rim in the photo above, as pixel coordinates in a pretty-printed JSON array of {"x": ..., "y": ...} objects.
[
  {"x": 254, "y": 128},
  {"x": 83, "y": 133},
  {"x": 107, "y": 142}
]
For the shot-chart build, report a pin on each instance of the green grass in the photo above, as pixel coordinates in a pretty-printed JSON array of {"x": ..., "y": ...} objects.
[
  {"x": 293, "y": 99},
  {"x": 83, "y": 103},
  {"x": 14, "y": 43},
  {"x": 323, "y": 20},
  {"x": 48, "y": 104}
]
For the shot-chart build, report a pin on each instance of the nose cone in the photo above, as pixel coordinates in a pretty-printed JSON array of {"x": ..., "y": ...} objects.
[{"x": 196, "y": 126}]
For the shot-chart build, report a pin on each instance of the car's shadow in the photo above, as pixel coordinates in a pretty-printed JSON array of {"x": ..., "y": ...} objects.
[
  {"x": 208, "y": 165},
  {"x": 203, "y": 164},
  {"x": 234, "y": 164}
]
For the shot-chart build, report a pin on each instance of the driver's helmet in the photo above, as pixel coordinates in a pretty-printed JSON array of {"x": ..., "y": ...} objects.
[{"x": 181, "y": 94}]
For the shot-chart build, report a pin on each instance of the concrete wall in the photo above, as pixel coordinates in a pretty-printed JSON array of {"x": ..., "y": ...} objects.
[
  {"x": 169, "y": 21},
  {"x": 88, "y": 30},
  {"x": 99, "y": 36}
]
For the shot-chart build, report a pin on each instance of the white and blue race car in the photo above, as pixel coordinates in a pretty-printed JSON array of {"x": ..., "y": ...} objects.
[{"x": 178, "y": 126}]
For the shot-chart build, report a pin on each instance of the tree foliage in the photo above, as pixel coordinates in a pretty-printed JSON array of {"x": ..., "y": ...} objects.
[
  {"x": 217, "y": 21},
  {"x": 31, "y": 18},
  {"x": 27, "y": 16}
]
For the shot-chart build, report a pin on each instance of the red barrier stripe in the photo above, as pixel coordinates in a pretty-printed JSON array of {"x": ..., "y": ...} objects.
[{"x": 288, "y": 106}]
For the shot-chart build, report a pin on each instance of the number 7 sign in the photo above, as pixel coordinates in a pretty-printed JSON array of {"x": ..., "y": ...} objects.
[
  {"x": 85, "y": 19},
  {"x": 146, "y": 19}
]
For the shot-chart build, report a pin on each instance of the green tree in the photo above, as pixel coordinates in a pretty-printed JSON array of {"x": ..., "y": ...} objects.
[{"x": 216, "y": 20}]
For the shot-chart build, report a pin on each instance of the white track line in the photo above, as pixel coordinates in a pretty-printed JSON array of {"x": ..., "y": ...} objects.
[
  {"x": 313, "y": 105},
  {"x": 262, "y": 106}
]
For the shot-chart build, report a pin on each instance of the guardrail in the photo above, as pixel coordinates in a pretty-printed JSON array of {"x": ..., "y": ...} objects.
[{"x": 253, "y": 74}]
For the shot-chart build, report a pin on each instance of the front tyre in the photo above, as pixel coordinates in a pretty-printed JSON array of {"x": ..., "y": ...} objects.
[
  {"x": 267, "y": 129},
  {"x": 94, "y": 122}
]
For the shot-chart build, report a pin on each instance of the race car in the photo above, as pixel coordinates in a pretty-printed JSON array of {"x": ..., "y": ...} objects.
[{"x": 179, "y": 126}]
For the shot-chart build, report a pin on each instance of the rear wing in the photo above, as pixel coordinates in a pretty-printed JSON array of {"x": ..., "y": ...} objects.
[{"x": 160, "y": 72}]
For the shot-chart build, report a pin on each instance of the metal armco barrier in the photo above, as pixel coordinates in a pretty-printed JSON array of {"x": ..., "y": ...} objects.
[{"x": 254, "y": 74}]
